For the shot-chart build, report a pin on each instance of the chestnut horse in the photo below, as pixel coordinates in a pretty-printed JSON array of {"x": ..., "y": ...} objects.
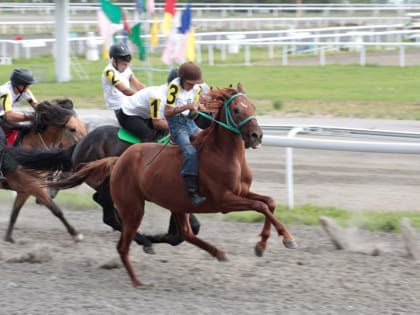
[
  {"x": 151, "y": 172},
  {"x": 55, "y": 125}
]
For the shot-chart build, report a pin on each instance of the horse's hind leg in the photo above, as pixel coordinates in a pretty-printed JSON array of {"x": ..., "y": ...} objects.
[
  {"x": 44, "y": 198},
  {"x": 131, "y": 219},
  {"x": 185, "y": 232},
  {"x": 110, "y": 215},
  {"x": 172, "y": 237},
  {"x": 17, "y": 205}
]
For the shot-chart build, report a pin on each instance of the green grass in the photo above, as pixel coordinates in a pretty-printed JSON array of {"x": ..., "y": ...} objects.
[
  {"x": 306, "y": 214},
  {"x": 309, "y": 215},
  {"x": 347, "y": 91}
]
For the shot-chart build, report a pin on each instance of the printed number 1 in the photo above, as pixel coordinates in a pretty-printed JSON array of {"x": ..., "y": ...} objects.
[{"x": 154, "y": 107}]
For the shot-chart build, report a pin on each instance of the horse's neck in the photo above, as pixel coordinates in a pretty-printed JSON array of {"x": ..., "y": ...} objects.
[
  {"x": 49, "y": 138},
  {"x": 228, "y": 143}
]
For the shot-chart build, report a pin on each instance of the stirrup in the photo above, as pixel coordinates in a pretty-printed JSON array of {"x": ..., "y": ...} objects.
[{"x": 197, "y": 200}]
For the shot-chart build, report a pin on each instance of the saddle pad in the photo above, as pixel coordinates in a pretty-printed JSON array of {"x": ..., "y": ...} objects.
[{"x": 127, "y": 136}]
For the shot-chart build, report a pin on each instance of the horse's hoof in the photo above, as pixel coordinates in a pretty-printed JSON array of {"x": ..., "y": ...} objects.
[
  {"x": 9, "y": 239},
  {"x": 290, "y": 244},
  {"x": 144, "y": 286},
  {"x": 259, "y": 250},
  {"x": 221, "y": 256},
  {"x": 137, "y": 284},
  {"x": 149, "y": 250},
  {"x": 78, "y": 237}
]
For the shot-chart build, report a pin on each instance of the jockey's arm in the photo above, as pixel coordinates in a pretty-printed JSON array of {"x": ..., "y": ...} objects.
[
  {"x": 124, "y": 89},
  {"x": 18, "y": 117},
  {"x": 160, "y": 124},
  {"x": 136, "y": 83},
  {"x": 172, "y": 111}
]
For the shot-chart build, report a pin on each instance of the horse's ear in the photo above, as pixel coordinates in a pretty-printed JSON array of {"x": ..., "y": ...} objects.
[
  {"x": 240, "y": 88},
  {"x": 230, "y": 85}
]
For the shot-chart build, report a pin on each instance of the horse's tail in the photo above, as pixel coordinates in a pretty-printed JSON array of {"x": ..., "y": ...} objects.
[
  {"x": 37, "y": 159},
  {"x": 93, "y": 173}
]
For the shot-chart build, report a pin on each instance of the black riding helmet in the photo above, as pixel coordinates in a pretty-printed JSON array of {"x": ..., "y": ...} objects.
[
  {"x": 22, "y": 76},
  {"x": 120, "y": 52},
  {"x": 172, "y": 75}
]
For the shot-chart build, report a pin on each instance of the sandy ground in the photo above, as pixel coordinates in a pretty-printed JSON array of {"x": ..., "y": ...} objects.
[{"x": 45, "y": 272}]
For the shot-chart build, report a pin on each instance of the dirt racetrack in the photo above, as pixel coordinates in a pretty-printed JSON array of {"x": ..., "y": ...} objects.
[{"x": 45, "y": 272}]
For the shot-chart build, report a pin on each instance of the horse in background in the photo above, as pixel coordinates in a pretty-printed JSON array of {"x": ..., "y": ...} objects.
[
  {"x": 55, "y": 125},
  {"x": 151, "y": 172}
]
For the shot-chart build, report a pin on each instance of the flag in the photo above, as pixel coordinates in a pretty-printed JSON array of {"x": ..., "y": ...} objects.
[
  {"x": 174, "y": 49},
  {"x": 190, "y": 46},
  {"x": 165, "y": 27},
  {"x": 154, "y": 40},
  {"x": 185, "y": 19},
  {"x": 167, "y": 52},
  {"x": 112, "y": 11},
  {"x": 169, "y": 12},
  {"x": 134, "y": 36},
  {"x": 140, "y": 5},
  {"x": 106, "y": 30},
  {"x": 170, "y": 7},
  {"x": 105, "y": 26},
  {"x": 126, "y": 27},
  {"x": 150, "y": 6}
]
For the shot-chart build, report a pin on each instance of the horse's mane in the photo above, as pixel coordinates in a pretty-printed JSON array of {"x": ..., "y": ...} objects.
[
  {"x": 217, "y": 98},
  {"x": 56, "y": 113}
]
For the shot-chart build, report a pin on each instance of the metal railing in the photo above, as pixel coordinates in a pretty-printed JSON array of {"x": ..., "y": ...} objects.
[{"x": 392, "y": 142}]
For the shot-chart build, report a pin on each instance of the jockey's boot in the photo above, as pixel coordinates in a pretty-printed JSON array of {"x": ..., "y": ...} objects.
[{"x": 191, "y": 184}]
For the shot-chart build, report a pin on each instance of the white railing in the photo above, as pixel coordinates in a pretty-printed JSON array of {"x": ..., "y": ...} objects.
[
  {"x": 228, "y": 8},
  {"x": 404, "y": 145},
  {"x": 313, "y": 41},
  {"x": 202, "y": 24}
]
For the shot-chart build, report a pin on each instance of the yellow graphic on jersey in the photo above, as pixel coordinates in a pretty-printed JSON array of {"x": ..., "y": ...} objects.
[
  {"x": 112, "y": 77},
  {"x": 154, "y": 104},
  {"x": 6, "y": 102}
]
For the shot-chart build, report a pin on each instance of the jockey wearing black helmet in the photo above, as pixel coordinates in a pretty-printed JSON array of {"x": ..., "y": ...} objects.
[
  {"x": 14, "y": 91},
  {"x": 118, "y": 80},
  {"x": 11, "y": 94}
]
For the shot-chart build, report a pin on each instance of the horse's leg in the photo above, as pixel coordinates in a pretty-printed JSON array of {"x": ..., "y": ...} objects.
[
  {"x": 237, "y": 203},
  {"x": 44, "y": 198},
  {"x": 172, "y": 237},
  {"x": 261, "y": 246},
  {"x": 17, "y": 205},
  {"x": 110, "y": 215},
  {"x": 182, "y": 222},
  {"x": 131, "y": 219}
]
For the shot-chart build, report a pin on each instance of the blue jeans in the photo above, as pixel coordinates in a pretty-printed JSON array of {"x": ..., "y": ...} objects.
[{"x": 181, "y": 128}]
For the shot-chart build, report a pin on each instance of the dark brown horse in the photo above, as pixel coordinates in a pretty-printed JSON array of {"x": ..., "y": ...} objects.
[
  {"x": 56, "y": 125},
  {"x": 152, "y": 172}
]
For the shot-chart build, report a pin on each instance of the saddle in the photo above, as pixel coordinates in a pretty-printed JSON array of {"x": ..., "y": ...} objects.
[{"x": 127, "y": 136}]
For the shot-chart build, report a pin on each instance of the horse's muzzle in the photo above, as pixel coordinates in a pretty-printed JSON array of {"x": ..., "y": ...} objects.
[{"x": 252, "y": 137}]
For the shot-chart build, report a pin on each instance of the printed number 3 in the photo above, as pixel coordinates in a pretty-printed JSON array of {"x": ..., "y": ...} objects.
[{"x": 173, "y": 90}]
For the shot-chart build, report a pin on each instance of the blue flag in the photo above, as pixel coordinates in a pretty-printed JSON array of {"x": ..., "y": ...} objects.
[{"x": 185, "y": 19}]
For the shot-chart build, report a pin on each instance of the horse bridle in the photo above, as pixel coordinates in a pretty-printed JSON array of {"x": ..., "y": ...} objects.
[{"x": 230, "y": 122}]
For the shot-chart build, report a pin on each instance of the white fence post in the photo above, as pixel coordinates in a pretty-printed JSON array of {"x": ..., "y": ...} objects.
[
  {"x": 402, "y": 56},
  {"x": 289, "y": 169}
]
